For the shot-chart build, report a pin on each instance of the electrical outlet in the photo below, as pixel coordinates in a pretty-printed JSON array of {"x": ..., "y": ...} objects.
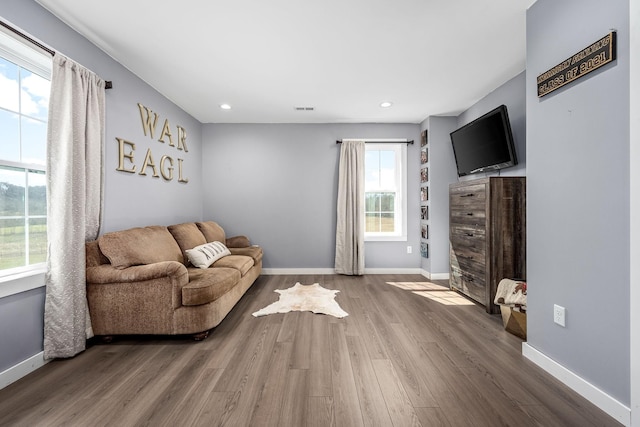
[
  {"x": 409, "y": 249},
  {"x": 558, "y": 315}
]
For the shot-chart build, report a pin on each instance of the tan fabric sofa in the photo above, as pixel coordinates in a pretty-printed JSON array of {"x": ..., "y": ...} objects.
[{"x": 140, "y": 281}]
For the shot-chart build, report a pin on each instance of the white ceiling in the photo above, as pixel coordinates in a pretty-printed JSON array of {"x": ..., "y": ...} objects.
[{"x": 342, "y": 57}]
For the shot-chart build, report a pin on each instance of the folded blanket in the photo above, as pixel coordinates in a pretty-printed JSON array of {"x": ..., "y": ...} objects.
[{"x": 511, "y": 293}]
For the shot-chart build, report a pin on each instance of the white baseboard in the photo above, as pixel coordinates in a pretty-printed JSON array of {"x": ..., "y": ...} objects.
[
  {"x": 22, "y": 369},
  {"x": 602, "y": 400},
  {"x": 392, "y": 271},
  {"x": 434, "y": 276},
  {"x": 292, "y": 271}
]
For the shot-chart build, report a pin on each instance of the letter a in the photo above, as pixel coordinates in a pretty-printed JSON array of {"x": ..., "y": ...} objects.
[
  {"x": 149, "y": 163},
  {"x": 166, "y": 131}
]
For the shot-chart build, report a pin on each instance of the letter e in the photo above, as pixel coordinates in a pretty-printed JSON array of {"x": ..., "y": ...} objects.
[{"x": 122, "y": 155}]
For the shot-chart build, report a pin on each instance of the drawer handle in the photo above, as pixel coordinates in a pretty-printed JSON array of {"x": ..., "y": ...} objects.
[
  {"x": 467, "y": 195},
  {"x": 469, "y": 213},
  {"x": 469, "y": 234}
]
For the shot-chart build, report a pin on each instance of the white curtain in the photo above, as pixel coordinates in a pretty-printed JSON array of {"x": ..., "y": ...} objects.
[
  {"x": 350, "y": 224},
  {"x": 75, "y": 140}
]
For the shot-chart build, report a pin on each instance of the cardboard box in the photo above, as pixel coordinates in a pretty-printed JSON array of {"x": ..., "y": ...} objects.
[{"x": 514, "y": 322}]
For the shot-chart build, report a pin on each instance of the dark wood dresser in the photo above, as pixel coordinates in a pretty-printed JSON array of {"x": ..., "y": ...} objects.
[{"x": 487, "y": 236}]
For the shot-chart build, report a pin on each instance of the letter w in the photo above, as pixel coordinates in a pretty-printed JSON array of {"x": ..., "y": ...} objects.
[{"x": 147, "y": 123}]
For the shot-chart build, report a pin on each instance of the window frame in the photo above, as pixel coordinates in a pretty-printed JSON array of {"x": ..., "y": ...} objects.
[
  {"x": 400, "y": 214},
  {"x": 36, "y": 61}
]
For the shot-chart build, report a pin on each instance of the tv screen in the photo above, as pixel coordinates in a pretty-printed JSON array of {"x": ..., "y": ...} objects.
[{"x": 484, "y": 144}]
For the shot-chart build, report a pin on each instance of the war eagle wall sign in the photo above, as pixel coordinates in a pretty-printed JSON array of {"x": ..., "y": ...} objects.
[
  {"x": 165, "y": 167},
  {"x": 579, "y": 65}
]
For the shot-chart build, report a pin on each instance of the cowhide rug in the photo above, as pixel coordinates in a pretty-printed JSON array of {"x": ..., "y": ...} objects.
[{"x": 313, "y": 298}]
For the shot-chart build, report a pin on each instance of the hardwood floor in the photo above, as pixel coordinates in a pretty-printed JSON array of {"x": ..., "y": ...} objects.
[{"x": 399, "y": 359}]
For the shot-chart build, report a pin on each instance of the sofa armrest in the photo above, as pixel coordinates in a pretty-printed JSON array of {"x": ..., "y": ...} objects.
[
  {"x": 238, "y": 242},
  {"x": 156, "y": 286}
]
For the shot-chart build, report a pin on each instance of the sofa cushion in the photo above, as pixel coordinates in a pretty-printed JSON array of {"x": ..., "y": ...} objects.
[
  {"x": 139, "y": 246},
  {"x": 212, "y": 231},
  {"x": 239, "y": 262},
  {"x": 188, "y": 237},
  {"x": 238, "y": 242},
  {"x": 254, "y": 252},
  {"x": 204, "y": 255},
  {"x": 207, "y": 285}
]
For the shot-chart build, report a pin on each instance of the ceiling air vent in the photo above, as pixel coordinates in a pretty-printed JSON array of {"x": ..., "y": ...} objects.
[{"x": 304, "y": 108}]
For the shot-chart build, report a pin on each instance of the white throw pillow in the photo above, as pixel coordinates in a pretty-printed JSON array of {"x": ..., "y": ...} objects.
[{"x": 204, "y": 255}]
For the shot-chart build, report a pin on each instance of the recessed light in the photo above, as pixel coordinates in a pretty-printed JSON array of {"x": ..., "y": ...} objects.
[
  {"x": 386, "y": 104},
  {"x": 225, "y": 106}
]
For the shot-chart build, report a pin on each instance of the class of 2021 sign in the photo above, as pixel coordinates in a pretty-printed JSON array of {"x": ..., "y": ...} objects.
[{"x": 579, "y": 65}]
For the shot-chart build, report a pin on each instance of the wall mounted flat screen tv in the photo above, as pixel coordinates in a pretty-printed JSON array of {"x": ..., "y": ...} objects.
[{"x": 485, "y": 144}]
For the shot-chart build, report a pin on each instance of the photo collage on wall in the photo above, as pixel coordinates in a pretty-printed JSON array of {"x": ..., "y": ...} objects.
[{"x": 424, "y": 195}]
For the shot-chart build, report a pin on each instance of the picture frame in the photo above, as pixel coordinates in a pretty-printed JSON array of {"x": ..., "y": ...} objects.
[
  {"x": 424, "y": 250},
  {"x": 424, "y": 175},
  {"x": 424, "y": 156},
  {"x": 424, "y": 213},
  {"x": 424, "y": 231},
  {"x": 424, "y": 194},
  {"x": 423, "y": 138}
]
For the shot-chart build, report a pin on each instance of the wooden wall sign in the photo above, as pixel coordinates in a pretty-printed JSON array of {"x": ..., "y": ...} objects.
[{"x": 582, "y": 63}]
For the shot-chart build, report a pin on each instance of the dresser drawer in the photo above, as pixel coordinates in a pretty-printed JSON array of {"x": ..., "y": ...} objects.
[
  {"x": 467, "y": 233},
  {"x": 468, "y": 247},
  {"x": 469, "y": 261},
  {"x": 469, "y": 284},
  {"x": 466, "y": 259},
  {"x": 468, "y": 216},
  {"x": 468, "y": 197}
]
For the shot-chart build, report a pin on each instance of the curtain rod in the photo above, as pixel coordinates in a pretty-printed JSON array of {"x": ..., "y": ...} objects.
[
  {"x": 339, "y": 141},
  {"x": 107, "y": 83}
]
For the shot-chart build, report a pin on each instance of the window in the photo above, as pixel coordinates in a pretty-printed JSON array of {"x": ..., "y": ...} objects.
[
  {"x": 385, "y": 192},
  {"x": 24, "y": 102}
]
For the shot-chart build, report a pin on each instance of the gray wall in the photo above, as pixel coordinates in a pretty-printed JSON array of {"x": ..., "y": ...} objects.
[
  {"x": 279, "y": 187},
  {"x": 21, "y": 326},
  {"x": 442, "y": 172},
  {"x": 513, "y": 95},
  {"x": 578, "y": 195},
  {"x": 634, "y": 50},
  {"x": 130, "y": 200}
]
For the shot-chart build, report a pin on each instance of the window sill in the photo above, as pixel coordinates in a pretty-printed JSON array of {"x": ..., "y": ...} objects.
[{"x": 22, "y": 282}]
